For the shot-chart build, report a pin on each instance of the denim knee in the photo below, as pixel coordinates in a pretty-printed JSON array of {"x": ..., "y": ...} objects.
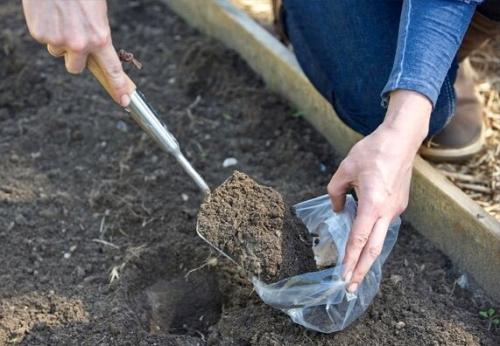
[{"x": 349, "y": 60}]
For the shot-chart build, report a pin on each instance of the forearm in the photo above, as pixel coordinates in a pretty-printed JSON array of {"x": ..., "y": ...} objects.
[
  {"x": 430, "y": 34},
  {"x": 408, "y": 115}
]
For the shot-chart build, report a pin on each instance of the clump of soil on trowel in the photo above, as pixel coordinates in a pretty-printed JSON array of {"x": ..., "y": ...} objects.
[{"x": 252, "y": 224}]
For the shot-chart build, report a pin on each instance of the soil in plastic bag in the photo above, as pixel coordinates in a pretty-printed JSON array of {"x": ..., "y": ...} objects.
[{"x": 254, "y": 226}]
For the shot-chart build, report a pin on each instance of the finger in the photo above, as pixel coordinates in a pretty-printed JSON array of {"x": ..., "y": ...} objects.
[
  {"x": 361, "y": 228},
  {"x": 56, "y": 52},
  {"x": 108, "y": 60},
  {"x": 370, "y": 253},
  {"x": 75, "y": 62},
  {"x": 338, "y": 187}
]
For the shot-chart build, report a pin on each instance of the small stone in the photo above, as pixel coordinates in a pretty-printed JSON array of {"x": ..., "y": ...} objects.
[
  {"x": 184, "y": 197},
  {"x": 230, "y": 161},
  {"x": 462, "y": 281},
  {"x": 171, "y": 81},
  {"x": 14, "y": 158},
  {"x": 395, "y": 279},
  {"x": 122, "y": 126},
  {"x": 400, "y": 325},
  {"x": 36, "y": 155},
  {"x": 20, "y": 220},
  {"x": 67, "y": 255}
]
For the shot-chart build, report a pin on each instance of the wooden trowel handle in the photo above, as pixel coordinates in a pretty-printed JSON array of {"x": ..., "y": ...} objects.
[{"x": 101, "y": 76}]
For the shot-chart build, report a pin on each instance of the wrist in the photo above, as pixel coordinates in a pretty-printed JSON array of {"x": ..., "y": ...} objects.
[{"x": 408, "y": 115}]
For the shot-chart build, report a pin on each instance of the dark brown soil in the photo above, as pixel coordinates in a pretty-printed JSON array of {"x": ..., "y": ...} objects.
[
  {"x": 181, "y": 303},
  {"x": 84, "y": 194},
  {"x": 252, "y": 224}
]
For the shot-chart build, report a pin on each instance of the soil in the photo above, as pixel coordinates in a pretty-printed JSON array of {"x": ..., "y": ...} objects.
[
  {"x": 252, "y": 224},
  {"x": 97, "y": 224}
]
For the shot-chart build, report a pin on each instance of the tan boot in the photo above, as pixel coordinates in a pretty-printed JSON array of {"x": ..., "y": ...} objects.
[
  {"x": 463, "y": 137},
  {"x": 480, "y": 32},
  {"x": 279, "y": 28}
]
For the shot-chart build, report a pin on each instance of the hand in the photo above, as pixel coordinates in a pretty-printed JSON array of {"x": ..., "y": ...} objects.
[
  {"x": 76, "y": 29},
  {"x": 379, "y": 167}
]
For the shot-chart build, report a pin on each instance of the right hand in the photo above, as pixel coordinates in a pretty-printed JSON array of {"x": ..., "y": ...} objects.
[
  {"x": 76, "y": 29},
  {"x": 379, "y": 167}
]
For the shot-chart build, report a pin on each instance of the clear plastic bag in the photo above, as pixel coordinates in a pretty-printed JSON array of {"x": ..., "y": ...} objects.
[{"x": 319, "y": 300}]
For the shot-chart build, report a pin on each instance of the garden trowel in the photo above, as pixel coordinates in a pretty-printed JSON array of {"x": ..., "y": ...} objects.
[{"x": 147, "y": 119}]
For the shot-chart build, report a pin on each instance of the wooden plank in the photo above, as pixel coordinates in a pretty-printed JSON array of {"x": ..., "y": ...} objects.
[{"x": 437, "y": 209}]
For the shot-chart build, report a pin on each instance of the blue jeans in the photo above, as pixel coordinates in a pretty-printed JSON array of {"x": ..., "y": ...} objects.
[{"x": 347, "y": 49}]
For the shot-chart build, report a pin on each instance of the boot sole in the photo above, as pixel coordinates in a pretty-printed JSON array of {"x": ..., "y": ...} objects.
[{"x": 455, "y": 155}]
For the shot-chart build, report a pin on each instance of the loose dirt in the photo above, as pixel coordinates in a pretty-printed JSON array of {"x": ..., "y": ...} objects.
[
  {"x": 252, "y": 224},
  {"x": 97, "y": 224}
]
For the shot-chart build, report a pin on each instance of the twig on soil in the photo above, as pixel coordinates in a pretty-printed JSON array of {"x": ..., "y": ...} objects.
[
  {"x": 210, "y": 261},
  {"x": 102, "y": 227},
  {"x": 115, "y": 272},
  {"x": 132, "y": 252},
  {"x": 193, "y": 104},
  {"x": 107, "y": 243}
]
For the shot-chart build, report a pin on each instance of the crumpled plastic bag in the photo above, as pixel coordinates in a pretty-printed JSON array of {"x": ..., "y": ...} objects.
[{"x": 319, "y": 300}]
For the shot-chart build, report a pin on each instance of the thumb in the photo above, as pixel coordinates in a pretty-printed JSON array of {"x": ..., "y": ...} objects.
[
  {"x": 338, "y": 187},
  {"x": 117, "y": 83}
]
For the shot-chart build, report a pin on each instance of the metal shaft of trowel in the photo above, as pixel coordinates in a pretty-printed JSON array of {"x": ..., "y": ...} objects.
[{"x": 146, "y": 117}]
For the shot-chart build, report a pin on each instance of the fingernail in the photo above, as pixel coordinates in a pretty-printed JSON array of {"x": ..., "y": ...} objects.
[
  {"x": 352, "y": 288},
  {"x": 348, "y": 276},
  {"x": 125, "y": 100}
]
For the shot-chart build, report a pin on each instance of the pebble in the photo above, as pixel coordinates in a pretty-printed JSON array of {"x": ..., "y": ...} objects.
[
  {"x": 395, "y": 279},
  {"x": 14, "y": 158},
  {"x": 20, "y": 220},
  {"x": 184, "y": 197},
  {"x": 122, "y": 126},
  {"x": 400, "y": 325},
  {"x": 462, "y": 281},
  {"x": 230, "y": 161}
]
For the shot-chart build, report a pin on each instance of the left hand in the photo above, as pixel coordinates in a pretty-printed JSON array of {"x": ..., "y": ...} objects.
[{"x": 379, "y": 167}]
